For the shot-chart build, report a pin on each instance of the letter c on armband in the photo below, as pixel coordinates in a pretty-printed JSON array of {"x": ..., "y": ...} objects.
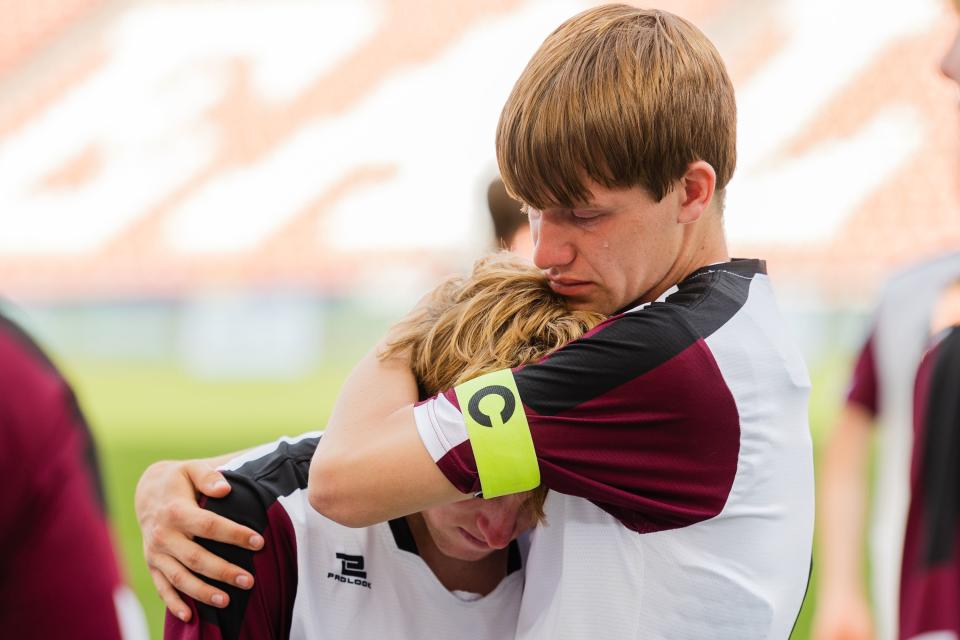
[{"x": 499, "y": 434}]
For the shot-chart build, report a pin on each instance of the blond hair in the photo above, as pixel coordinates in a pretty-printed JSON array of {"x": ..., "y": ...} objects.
[
  {"x": 621, "y": 96},
  {"x": 504, "y": 315}
]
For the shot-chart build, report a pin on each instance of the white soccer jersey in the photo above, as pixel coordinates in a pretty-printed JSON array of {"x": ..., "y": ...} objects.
[
  {"x": 316, "y": 579},
  {"x": 675, "y": 440}
]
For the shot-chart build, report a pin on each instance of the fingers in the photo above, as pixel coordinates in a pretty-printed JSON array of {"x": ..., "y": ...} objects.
[
  {"x": 170, "y": 517},
  {"x": 173, "y": 575},
  {"x": 189, "y": 554},
  {"x": 170, "y": 597},
  {"x": 193, "y": 521},
  {"x": 206, "y": 479}
]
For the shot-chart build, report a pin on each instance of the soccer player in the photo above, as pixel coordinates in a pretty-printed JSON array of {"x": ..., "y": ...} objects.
[
  {"x": 674, "y": 436},
  {"x": 449, "y": 571},
  {"x": 914, "y": 306},
  {"x": 883, "y": 390},
  {"x": 60, "y": 577}
]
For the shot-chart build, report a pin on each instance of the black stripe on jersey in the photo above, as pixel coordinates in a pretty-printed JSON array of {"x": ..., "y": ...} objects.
[
  {"x": 638, "y": 342},
  {"x": 716, "y": 293},
  {"x": 514, "y": 560},
  {"x": 806, "y": 592},
  {"x": 255, "y": 487},
  {"x": 403, "y": 536},
  {"x": 18, "y": 335},
  {"x": 940, "y": 468}
]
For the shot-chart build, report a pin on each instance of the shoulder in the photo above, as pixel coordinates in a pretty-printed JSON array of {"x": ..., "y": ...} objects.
[
  {"x": 259, "y": 480},
  {"x": 263, "y": 475},
  {"x": 642, "y": 338},
  {"x": 38, "y": 406},
  {"x": 929, "y": 273},
  {"x": 949, "y": 261},
  {"x": 26, "y": 368},
  {"x": 710, "y": 297},
  {"x": 643, "y": 344}
]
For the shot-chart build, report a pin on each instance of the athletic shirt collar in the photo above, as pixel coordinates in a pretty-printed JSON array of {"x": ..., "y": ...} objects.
[{"x": 741, "y": 266}]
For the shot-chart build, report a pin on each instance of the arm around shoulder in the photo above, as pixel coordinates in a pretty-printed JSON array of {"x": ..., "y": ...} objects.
[{"x": 371, "y": 464}]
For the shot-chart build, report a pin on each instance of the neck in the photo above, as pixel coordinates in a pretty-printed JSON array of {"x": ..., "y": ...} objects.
[
  {"x": 476, "y": 576},
  {"x": 703, "y": 243}
]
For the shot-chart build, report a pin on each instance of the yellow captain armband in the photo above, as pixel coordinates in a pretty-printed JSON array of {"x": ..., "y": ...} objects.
[{"x": 499, "y": 434}]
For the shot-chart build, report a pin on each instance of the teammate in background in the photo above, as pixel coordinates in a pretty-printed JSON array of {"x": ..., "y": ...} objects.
[
  {"x": 511, "y": 229},
  {"x": 673, "y": 436},
  {"x": 318, "y": 579},
  {"x": 890, "y": 387},
  {"x": 60, "y": 577},
  {"x": 882, "y": 392}
]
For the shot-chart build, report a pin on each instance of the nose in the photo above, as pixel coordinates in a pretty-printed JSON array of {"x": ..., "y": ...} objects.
[
  {"x": 497, "y": 523},
  {"x": 950, "y": 63},
  {"x": 551, "y": 243}
]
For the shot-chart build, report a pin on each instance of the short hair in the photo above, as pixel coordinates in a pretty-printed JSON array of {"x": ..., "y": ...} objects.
[
  {"x": 506, "y": 213},
  {"x": 503, "y": 315},
  {"x": 621, "y": 96}
]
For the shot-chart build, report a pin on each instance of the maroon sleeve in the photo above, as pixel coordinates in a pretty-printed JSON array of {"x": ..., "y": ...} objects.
[
  {"x": 636, "y": 417},
  {"x": 864, "y": 389},
  {"x": 59, "y": 570},
  {"x": 265, "y": 611},
  {"x": 196, "y": 629}
]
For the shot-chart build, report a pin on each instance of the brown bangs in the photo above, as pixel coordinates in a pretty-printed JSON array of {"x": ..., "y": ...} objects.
[{"x": 621, "y": 97}]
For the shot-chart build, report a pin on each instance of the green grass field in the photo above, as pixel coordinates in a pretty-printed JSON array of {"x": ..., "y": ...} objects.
[{"x": 143, "y": 413}]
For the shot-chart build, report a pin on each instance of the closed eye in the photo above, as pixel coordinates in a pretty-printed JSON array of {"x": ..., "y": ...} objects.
[{"x": 580, "y": 214}]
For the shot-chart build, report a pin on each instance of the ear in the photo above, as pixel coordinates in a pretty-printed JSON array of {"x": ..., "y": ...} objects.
[{"x": 696, "y": 191}]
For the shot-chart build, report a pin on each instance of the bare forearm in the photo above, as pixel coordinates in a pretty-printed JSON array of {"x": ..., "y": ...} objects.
[
  {"x": 370, "y": 465},
  {"x": 373, "y": 390},
  {"x": 843, "y": 502}
]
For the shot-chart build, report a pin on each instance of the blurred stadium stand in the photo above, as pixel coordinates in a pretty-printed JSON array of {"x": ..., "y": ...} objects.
[{"x": 167, "y": 166}]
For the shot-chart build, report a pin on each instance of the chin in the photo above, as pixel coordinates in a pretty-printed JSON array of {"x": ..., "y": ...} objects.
[
  {"x": 597, "y": 304},
  {"x": 464, "y": 553},
  {"x": 580, "y": 304},
  {"x": 471, "y": 555}
]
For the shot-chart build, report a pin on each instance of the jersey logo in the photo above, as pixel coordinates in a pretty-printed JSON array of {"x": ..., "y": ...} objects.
[
  {"x": 351, "y": 571},
  {"x": 509, "y": 405}
]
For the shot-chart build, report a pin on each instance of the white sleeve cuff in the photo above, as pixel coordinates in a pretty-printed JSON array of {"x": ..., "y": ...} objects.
[{"x": 440, "y": 426}]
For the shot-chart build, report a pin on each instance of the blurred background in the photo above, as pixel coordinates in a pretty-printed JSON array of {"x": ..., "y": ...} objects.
[{"x": 210, "y": 209}]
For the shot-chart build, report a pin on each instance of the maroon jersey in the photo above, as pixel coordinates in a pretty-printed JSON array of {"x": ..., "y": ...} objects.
[
  {"x": 930, "y": 581},
  {"x": 59, "y": 575}
]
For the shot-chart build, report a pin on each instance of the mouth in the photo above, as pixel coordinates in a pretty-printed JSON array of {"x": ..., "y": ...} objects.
[
  {"x": 569, "y": 286},
  {"x": 473, "y": 540}
]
